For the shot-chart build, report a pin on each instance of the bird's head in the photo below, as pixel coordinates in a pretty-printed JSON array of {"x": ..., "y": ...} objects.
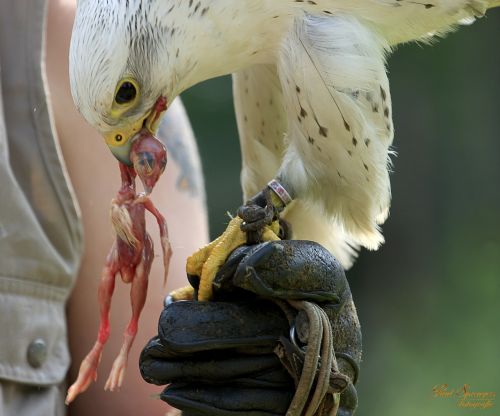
[
  {"x": 149, "y": 158},
  {"x": 119, "y": 60}
]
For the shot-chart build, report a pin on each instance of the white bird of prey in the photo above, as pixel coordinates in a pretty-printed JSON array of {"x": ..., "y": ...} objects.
[{"x": 311, "y": 92}]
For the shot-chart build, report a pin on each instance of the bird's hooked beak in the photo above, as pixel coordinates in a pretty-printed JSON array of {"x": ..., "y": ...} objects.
[{"x": 120, "y": 142}]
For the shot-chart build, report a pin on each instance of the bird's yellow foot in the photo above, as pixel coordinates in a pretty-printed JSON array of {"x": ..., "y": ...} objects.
[
  {"x": 183, "y": 293},
  {"x": 207, "y": 261}
]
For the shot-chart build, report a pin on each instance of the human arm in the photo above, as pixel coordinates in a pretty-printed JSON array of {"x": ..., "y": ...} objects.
[{"x": 95, "y": 178}]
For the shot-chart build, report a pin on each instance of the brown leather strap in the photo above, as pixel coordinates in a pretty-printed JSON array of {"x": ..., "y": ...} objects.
[{"x": 316, "y": 374}]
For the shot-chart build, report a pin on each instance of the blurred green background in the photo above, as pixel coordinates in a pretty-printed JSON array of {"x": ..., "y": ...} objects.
[{"x": 429, "y": 299}]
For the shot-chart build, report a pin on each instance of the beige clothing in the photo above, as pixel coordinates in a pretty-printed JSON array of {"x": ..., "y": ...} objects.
[
  {"x": 40, "y": 229},
  {"x": 22, "y": 399}
]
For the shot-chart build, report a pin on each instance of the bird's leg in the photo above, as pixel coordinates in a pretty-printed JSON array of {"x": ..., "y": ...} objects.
[
  {"x": 206, "y": 261},
  {"x": 232, "y": 238},
  {"x": 256, "y": 214},
  {"x": 257, "y": 221},
  {"x": 262, "y": 210},
  {"x": 88, "y": 368},
  {"x": 194, "y": 267},
  {"x": 138, "y": 292},
  {"x": 261, "y": 213},
  {"x": 165, "y": 242},
  {"x": 183, "y": 293}
]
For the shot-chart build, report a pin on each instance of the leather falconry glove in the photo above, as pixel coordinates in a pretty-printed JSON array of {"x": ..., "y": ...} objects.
[{"x": 281, "y": 336}]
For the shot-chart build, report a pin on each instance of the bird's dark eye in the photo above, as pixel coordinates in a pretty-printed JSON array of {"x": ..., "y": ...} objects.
[
  {"x": 126, "y": 93},
  {"x": 146, "y": 163}
]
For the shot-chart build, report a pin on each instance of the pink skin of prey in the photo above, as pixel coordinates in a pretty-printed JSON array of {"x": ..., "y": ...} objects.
[{"x": 130, "y": 257}]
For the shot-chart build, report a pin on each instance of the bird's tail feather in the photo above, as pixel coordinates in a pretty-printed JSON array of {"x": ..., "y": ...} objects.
[{"x": 309, "y": 223}]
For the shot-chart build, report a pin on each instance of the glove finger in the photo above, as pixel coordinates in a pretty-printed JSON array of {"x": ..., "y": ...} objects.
[
  {"x": 293, "y": 269},
  {"x": 252, "y": 371},
  {"x": 223, "y": 286},
  {"x": 203, "y": 400},
  {"x": 188, "y": 327}
]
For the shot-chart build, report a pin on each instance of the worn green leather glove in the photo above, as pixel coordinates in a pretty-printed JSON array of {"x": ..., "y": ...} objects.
[{"x": 237, "y": 355}]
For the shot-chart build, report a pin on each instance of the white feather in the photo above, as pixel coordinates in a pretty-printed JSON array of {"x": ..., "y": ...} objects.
[{"x": 338, "y": 151}]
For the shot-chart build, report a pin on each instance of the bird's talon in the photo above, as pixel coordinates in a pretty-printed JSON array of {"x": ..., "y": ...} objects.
[
  {"x": 183, "y": 293},
  {"x": 207, "y": 261}
]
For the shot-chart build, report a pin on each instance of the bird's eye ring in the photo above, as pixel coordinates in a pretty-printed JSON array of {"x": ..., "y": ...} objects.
[{"x": 126, "y": 93}]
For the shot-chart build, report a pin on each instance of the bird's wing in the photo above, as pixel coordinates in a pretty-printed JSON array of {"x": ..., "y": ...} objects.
[
  {"x": 336, "y": 93},
  {"x": 410, "y": 20},
  {"x": 262, "y": 124},
  {"x": 405, "y": 20}
]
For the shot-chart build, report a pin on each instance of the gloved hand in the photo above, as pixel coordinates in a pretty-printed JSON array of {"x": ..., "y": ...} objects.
[{"x": 236, "y": 355}]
